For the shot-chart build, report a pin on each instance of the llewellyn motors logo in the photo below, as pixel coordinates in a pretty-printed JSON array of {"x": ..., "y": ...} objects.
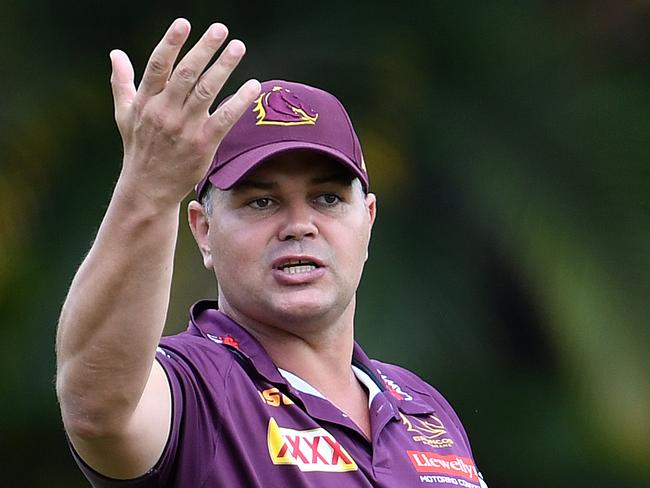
[
  {"x": 462, "y": 468},
  {"x": 281, "y": 106},
  {"x": 429, "y": 432},
  {"x": 310, "y": 450}
]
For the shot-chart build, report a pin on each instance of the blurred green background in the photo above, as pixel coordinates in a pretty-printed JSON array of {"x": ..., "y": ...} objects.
[{"x": 510, "y": 265}]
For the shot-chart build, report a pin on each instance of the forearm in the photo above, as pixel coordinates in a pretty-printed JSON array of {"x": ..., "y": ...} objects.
[
  {"x": 115, "y": 401},
  {"x": 115, "y": 311}
]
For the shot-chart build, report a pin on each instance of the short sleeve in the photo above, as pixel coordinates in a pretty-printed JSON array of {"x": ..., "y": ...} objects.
[{"x": 196, "y": 393}]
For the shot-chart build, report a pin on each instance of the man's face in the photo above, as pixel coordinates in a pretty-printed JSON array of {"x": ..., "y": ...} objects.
[{"x": 288, "y": 243}]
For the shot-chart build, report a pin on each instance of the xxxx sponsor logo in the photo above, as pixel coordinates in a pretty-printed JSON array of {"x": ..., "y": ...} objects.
[
  {"x": 451, "y": 465},
  {"x": 274, "y": 397},
  {"x": 429, "y": 432},
  {"x": 310, "y": 450}
]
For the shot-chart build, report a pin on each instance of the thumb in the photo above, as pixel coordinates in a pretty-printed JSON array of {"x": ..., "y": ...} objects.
[{"x": 121, "y": 83}]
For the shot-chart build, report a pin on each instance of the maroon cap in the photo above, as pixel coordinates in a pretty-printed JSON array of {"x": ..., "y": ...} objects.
[{"x": 286, "y": 116}]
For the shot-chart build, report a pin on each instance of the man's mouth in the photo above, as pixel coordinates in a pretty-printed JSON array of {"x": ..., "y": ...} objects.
[
  {"x": 298, "y": 270},
  {"x": 298, "y": 266}
]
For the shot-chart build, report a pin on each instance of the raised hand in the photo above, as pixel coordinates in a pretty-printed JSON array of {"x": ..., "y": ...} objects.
[{"x": 168, "y": 132}]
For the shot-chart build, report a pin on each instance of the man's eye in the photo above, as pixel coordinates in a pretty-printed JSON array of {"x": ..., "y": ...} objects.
[
  {"x": 328, "y": 199},
  {"x": 260, "y": 203}
]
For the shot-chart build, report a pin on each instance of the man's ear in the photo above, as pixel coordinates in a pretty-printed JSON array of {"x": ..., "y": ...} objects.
[
  {"x": 371, "y": 205},
  {"x": 200, "y": 226},
  {"x": 371, "y": 208}
]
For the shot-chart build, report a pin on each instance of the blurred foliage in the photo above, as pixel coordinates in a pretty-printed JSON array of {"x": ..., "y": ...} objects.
[{"x": 510, "y": 265}]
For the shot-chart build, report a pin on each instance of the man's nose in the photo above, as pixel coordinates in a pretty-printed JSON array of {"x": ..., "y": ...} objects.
[{"x": 298, "y": 223}]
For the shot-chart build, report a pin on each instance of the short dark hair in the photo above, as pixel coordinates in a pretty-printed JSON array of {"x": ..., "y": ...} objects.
[{"x": 206, "y": 198}]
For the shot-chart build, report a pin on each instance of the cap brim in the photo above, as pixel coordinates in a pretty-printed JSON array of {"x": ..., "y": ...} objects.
[{"x": 239, "y": 167}]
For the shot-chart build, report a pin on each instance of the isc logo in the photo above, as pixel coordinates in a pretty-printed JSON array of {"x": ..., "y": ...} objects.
[
  {"x": 310, "y": 450},
  {"x": 273, "y": 397}
]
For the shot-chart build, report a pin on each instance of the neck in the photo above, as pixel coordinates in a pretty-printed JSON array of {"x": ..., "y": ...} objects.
[{"x": 319, "y": 352}]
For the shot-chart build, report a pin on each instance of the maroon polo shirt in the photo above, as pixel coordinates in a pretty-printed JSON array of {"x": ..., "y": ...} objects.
[{"x": 238, "y": 421}]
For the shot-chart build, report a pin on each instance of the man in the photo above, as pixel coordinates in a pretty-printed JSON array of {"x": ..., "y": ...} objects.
[{"x": 266, "y": 387}]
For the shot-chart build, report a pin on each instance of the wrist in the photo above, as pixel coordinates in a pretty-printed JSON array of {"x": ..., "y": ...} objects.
[{"x": 140, "y": 198}]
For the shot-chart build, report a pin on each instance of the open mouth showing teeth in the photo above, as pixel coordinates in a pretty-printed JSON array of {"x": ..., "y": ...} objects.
[{"x": 296, "y": 267}]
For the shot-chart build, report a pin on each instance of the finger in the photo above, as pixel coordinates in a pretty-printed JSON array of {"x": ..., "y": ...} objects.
[
  {"x": 121, "y": 82},
  {"x": 162, "y": 59},
  {"x": 232, "y": 109},
  {"x": 210, "y": 84},
  {"x": 189, "y": 68}
]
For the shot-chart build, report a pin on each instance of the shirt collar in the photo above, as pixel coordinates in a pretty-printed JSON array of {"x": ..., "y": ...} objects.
[
  {"x": 208, "y": 321},
  {"x": 301, "y": 385}
]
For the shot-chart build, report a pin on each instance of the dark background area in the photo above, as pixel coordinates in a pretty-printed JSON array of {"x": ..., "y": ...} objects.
[{"x": 510, "y": 264}]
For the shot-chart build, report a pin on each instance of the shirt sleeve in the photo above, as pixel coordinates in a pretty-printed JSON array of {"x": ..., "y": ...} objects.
[
  {"x": 419, "y": 385},
  {"x": 194, "y": 425}
]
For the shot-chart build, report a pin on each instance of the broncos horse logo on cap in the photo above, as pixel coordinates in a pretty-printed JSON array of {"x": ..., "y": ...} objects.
[{"x": 281, "y": 106}]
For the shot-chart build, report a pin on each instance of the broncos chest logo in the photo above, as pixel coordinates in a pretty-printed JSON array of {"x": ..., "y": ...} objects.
[
  {"x": 429, "y": 432},
  {"x": 281, "y": 107}
]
